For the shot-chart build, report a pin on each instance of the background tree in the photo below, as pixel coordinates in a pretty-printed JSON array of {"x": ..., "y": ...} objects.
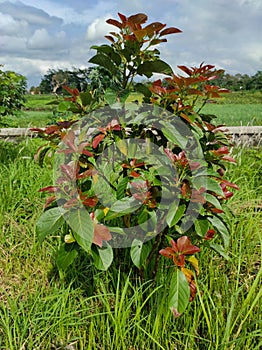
[{"x": 12, "y": 93}]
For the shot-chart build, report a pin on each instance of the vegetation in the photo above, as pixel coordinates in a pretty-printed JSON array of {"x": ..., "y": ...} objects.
[
  {"x": 12, "y": 94},
  {"x": 105, "y": 186},
  {"x": 240, "y": 82},
  {"x": 112, "y": 310},
  {"x": 82, "y": 78},
  {"x": 150, "y": 176}
]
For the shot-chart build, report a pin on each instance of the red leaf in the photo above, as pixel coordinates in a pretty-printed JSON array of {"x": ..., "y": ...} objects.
[
  {"x": 139, "y": 18},
  {"x": 170, "y": 30},
  {"x": 185, "y": 247},
  {"x": 49, "y": 200},
  {"x": 87, "y": 173},
  {"x": 69, "y": 139},
  {"x": 97, "y": 140},
  {"x": 115, "y": 23},
  {"x": 154, "y": 27},
  {"x": 168, "y": 252},
  {"x": 71, "y": 202},
  {"x": 52, "y": 129},
  {"x": 50, "y": 189},
  {"x": 158, "y": 41},
  {"x": 229, "y": 184},
  {"x": 73, "y": 92},
  {"x": 135, "y": 174},
  {"x": 110, "y": 38},
  {"x": 186, "y": 70},
  {"x": 69, "y": 170},
  {"x": 210, "y": 234},
  {"x": 229, "y": 159},
  {"x": 122, "y": 17},
  {"x": 101, "y": 233},
  {"x": 90, "y": 201}
]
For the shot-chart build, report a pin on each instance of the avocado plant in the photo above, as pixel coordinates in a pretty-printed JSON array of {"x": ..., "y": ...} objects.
[{"x": 140, "y": 166}]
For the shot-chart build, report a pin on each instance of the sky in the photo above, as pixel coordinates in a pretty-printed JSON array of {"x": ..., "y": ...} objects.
[{"x": 37, "y": 35}]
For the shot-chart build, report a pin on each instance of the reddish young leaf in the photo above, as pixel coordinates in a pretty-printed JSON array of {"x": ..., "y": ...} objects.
[
  {"x": 210, "y": 234},
  {"x": 229, "y": 184},
  {"x": 185, "y": 247},
  {"x": 101, "y": 232},
  {"x": 115, "y": 23},
  {"x": 158, "y": 41},
  {"x": 229, "y": 159},
  {"x": 98, "y": 138},
  {"x": 186, "y": 70},
  {"x": 178, "y": 250},
  {"x": 134, "y": 174},
  {"x": 50, "y": 189},
  {"x": 89, "y": 201},
  {"x": 87, "y": 173},
  {"x": 170, "y": 30},
  {"x": 122, "y": 17},
  {"x": 110, "y": 38},
  {"x": 52, "y": 129},
  {"x": 139, "y": 18},
  {"x": 49, "y": 200},
  {"x": 71, "y": 203},
  {"x": 70, "y": 171},
  {"x": 154, "y": 27}
]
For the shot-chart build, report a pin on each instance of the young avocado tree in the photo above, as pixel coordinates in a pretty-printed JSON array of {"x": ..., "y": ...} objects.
[{"x": 140, "y": 166}]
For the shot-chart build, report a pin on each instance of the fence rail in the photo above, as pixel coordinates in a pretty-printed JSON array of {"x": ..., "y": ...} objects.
[{"x": 241, "y": 135}]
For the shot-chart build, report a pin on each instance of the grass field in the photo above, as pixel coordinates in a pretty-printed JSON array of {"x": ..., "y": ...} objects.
[
  {"x": 237, "y": 108},
  {"x": 113, "y": 310}
]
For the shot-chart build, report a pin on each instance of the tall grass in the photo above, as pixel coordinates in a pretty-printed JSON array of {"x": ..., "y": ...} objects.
[{"x": 116, "y": 309}]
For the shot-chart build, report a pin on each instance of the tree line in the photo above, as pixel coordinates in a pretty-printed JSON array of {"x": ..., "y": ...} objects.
[{"x": 99, "y": 78}]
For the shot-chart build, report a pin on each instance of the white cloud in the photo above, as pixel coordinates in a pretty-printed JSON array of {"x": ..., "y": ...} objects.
[
  {"x": 98, "y": 29},
  {"x": 12, "y": 45},
  {"x": 42, "y": 40},
  {"x": 10, "y": 26}
]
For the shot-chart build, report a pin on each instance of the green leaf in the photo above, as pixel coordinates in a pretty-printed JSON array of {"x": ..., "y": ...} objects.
[
  {"x": 83, "y": 227},
  {"x": 143, "y": 89},
  {"x": 86, "y": 98},
  {"x": 66, "y": 256},
  {"x": 139, "y": 252},
  {"x": 104, "y": 61},
  {"x": 121, "y": 188},
  {"x": 122, "y": 207},
  {"x": 201, "y": 226},
  {"x": 103, "y": 257},
  {"x": 108, "y": 51},
  {"x": 174, "y": 135},
  {"x": 175, "y": 213},
  {"x": 64, "y": 106},
  {"x": 134, "y": 97},
  {"x": 213, "y": 200},
  {"x": 149, "y": 67},
  {"x": 49, "y": 222},
  {"x": 179, "y": 293},
  {"x": 110, "y": 96},
  {"x": 220, "y": 250},
  {"x": 222, "y": 229},
  {"x": 208, "y": 183}
]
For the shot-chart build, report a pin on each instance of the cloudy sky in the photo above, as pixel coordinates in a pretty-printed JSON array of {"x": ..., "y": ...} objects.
[{"x": 36, "y": 35}]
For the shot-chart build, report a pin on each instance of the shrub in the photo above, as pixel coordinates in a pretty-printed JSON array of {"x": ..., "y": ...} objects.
[
  {"x": 12, "y": 92},
  {"x": 141, "y": 167}
]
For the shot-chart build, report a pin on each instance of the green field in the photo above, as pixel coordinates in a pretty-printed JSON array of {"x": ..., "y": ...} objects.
[
  {"x": 236, "y": 108},
  {"x": 115, "y": 310}
]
